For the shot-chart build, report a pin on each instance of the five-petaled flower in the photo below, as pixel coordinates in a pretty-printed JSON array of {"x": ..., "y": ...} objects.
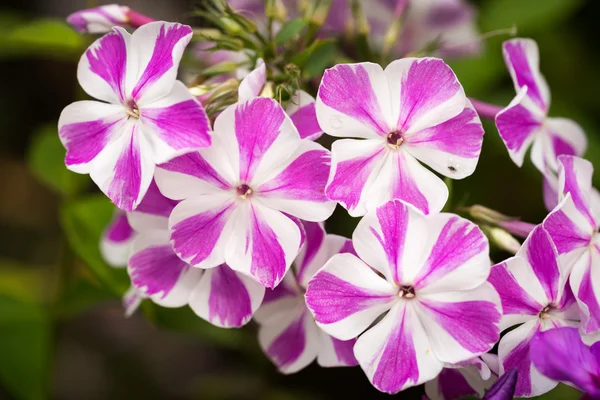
[
  {"x": 574, "y": 226},
  {"x": 288, "y": 333},
  {"x": 240, "y": 196},
  {"x": 533, "y": 291},
  {"x": 413, "y": 110},
  {"x": 429, "y": 273},
  {"x": 148, "y": 117}
]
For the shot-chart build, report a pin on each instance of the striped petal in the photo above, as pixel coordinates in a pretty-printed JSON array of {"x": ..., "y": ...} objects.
[
  {"x": 253, "y": 83},
  {"x": 304, "y": 116},
  {"x": 585, "y": 280},
  {"x": 99, "y": 19},
  {"x": 336, "y": 353},
  {"x": 115, "y": 243}
]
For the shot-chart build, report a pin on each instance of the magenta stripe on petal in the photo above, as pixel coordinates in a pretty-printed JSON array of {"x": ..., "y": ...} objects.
[
  {"x": 516, "y": 125},
  {"x": 194, "y": 238},
  {"x": 162, "y": 56},
  {"x": 182, "y": 125},
  {"x": 195, "y": 165},
  {"x": 428, "y": 84},
  {"x": 315, "y": 235},
  {"x": 124, "y": 189},
  {"x": 404, "y": 186},
  {"x": 229, "y": 301},
  {"x": 458, "y": 242},
  {"x": 304, "y": 179},
  {"x": 473, "y": 324},
  {"x": 344, "y": 351},
  {"x": 278, "y": 292},
  {"x": 519, "y": 358},
  {"x": 290, "y": 344},
  {"x": 542, "y": 257},
  {"x": 305, "y": 120},
  {"x": 349, "y": 91},
  {"x": 562, "y": 147},
  {"x": 119, "y": 229},
  {"x": 587, "y": 296},
  {"x": 257, "y": 125},
  {"x": 108, "y": 60},
  {"x": 573, "y": 186},
  {"x": 332, "y": 299},
  {"x": 565, "y": 234},
  {"x": 398, "y": 363},
  {"x": 453, "y": 385},
  {"x": 393, "y": 219},
  {"x": 515, "y": 300},
  {"x": 155, "y": 203},
  {"x": 515, "y": 54},
  {"x": 268, "y": 258},
  {"x": 156, "y": 270},
  {"x": 84, "y": 140}
]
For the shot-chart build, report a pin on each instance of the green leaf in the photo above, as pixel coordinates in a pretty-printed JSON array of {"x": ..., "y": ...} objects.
[
  {"x": 302, "y": 58},
  {"x": 528, "y": 16},
  {"x": 80, "y": 296},
  {"x": 289, "y": 30},
  {"x": 24, "y": 349},
  {"x": 46, "y": 161},
  {"x": 83, "y": 222},
  {"x": 320, "y": 58}
]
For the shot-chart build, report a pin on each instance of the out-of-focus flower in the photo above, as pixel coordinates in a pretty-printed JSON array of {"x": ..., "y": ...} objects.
[
  {"x": 468, "y": 378},
  {"x": 534, "y": 294},
  {"x": 102, "y": 19},
  {"x": 429, "y": 274},
  {"x": 573, "y": 226},
  {"x": 288, "y": 333},
  {"x": 560, "y": 355},
  {"x": 414, "y": 110},
  {"x": 241, "y": 194},
  {"x": 147, "y": 117},
  {"x": 221, "y": 296},
  {"x": 115, "y": 242}
]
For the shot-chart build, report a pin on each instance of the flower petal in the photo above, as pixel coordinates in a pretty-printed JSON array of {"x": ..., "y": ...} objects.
[
  {"x": 175, "y": 124},
  {"x": 262, "y": 244},
  {"x": 99, "y": 19},
  {"x": 575, "y": 177},
  {"x": 335, "y": 352},
  {"x": 153, "y": 212},
  {"x": 450, "y": 384},
  {"x": 226, "y": 298},
  {"x": 354, "y": 101},
  {"x": 313, "y": 256},
  {"x": 425, "y": 92},
  {"x": 115, "y": 242},
  {"x": 461, "y": 324},
  {"x": 550, "y": 191},
  {"x": 522, "y": 60},
  {"x": 102, "y": 70},
  {"x": 200, "y": 229},
  {"x": 566, "y": 138},
  {"x": 451, "y": 148},
  {"x": 395, "y": 353},
  {"x": 504, "y": 388},
  {"x": 85, "y": 128},
  {"x": 156, "y": 50},
  {"x": 585, "y": 279},
  {"x": 298, "y": 188},
  {"x": 304, "y": 115},
  {"x": 346, "y": 296},
  {"x": 253, "y": 83}
]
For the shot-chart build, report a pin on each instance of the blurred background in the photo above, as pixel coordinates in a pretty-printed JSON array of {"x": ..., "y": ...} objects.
[{"x": 62, "y": 330}]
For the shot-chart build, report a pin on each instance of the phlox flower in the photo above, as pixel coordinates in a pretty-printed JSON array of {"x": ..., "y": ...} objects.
[
  {"x": 525, "y": 120},
  {"x": 560, "y": 355},
  {"x": 240, "y": 196},
  {"x": 574, "y": 226},
  {"x": 115, "y": 242},
  {"x": 102, "y": 19},
  {"x": 287, "y": 331},
  {"x": 469, "y": 378},
  {"x": 147, "y": 117},
  {"x": 428, "y": 272},
  {"x": 534, "y": 295},
  {"x": 219, "y": 295},
  {"x": 413, "y": 110}
]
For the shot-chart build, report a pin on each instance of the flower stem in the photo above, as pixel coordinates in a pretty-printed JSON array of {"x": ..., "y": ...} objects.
[{"x": 485, "y": 110}]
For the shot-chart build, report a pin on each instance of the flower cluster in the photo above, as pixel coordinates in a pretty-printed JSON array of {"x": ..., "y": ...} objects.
[{"x": 222, "y": 192}]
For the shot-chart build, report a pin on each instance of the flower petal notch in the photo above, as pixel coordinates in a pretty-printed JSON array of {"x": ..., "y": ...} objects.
[
  {"x": 146, "y": 117},
  {"x": 241, "y": 195},
  {"x": 534, "y": 294},
  {"x": 424, "y": 271},
  {"x": 287, "y": 331},
  {"x": 413, "y": 111}
]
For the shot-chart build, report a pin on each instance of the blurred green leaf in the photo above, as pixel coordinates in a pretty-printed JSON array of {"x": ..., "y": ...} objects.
[
  {"x": 24, "y": 349},
  {"x": 26, "y": 284},
  {"x": 319, "y": 59},
  {"x": 46, "y": 161},
  {"x": 562, "y": 392},
  {"x": 81, "y": 296},
  {"x": 83, "y": 222},
  {"x": 289, "y": 30},
  {"x": 302, "y": 58}
]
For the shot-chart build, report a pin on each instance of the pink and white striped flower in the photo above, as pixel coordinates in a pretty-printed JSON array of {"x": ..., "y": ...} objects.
[
  {"x": 574, "y": 226},
  {"x": 240, "y": 196},
  {"x": 288, "y": 333},
  {"x": 219, "y": 295},
  {"x": 147, "y": 117},
  {"x": 413, "y": 110},
  {"x": 115, "y": 243},
  {"x": 469, "y": 378},
  {"x": 428, "y": 272},
  {"x": 525, "y": 120},
  {"x": 102, "y": 19},
  {"x": 534, "y": 295}
]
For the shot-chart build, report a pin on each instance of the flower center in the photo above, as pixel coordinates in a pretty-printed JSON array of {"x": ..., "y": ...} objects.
[
  {"x": 545, "y": 313},
  {"x": 395, "y": 139},
  {"x": 132, "y": 110},
  {"x": 244, "y": 191},
  {"x": 406, "y": 292}
]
